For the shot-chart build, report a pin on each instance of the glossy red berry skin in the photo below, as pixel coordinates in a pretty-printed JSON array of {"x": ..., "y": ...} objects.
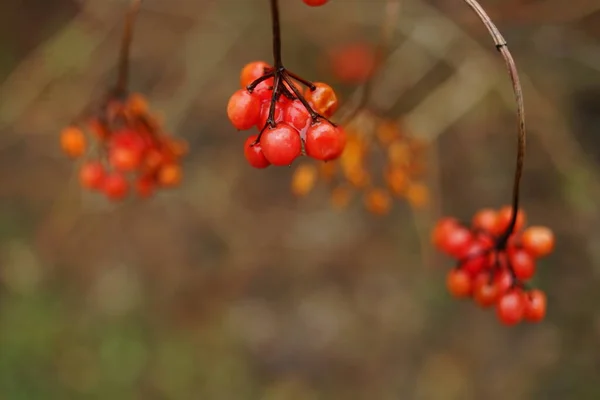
[
  {"x": 91, "y": 175},
  {"x": 252, "y": 71},
  {"x": 535, "y": 305},
  {"x": 324, "y": 141},
  {"x": 457, "y": 241},
  {"x": 511, "y": 308},
  {"x": 485, "y": 292},
  {"x": 522, "y": 264},
  {"x": 243, "y": 110},
  {"x": 281, "y": 145},
  {"x": 254, "y": 154},
  {"x": 297, "y": 116},
  {"x": 475, "y": 258}
]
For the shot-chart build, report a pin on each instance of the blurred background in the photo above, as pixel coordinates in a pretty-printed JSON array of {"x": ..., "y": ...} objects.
[{"x": 235, "y": 287}]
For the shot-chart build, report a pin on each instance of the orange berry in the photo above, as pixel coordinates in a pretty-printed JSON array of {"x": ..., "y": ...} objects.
[
  {"x": 340, "y": 196},
  {"x": 251, "y": 72},
  {"x": 323, "y": 99},
  {"x": 378, "y": 201},
  {"x": 397, "y": 180},
  {"x": 125, "y": 158},
  {"x": 72, "y": 141},
  {"x": 417, "y": 194},
  {"x": 485, "y": 220},
  {"x": 538, "y": 241},
  {"x": 504, "y": 217},
  {"x": 170, "y": 175},
  {"x": 137, "y": 104},
  {"x": 304, "y": 179}
]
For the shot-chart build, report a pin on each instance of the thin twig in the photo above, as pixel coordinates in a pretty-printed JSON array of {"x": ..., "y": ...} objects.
[
  {"x": 121, "y": 87},
  {"x": 521, "y": 132},
  {"x": 391, "y": 13}
]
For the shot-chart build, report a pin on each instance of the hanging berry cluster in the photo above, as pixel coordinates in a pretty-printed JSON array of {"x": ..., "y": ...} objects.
[
  {"x": 129, "y": 149},
  {"x": 290, "y": 123},
  {"x": 124, "y": 143},
  {"x": 493, "y": 269},
  {"x": 358, "y": 169},
  {"x": 299, "y": 123}
]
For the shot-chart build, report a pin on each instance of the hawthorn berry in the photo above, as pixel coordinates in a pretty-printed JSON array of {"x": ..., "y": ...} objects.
[
  {"x": 252, "y": 71},
  {"x": 73, "y": 142},
  {"x": 281, "y": 145},
  {"x": 115, "y": 186},
  {"x": 538, "y": 241},
  {"x": 243, "y": 109},
  {"x": 511, "y": 307},
  {"x": 485, "y": 292},
  {"x": 498, "y": 263},
  {"x": 91, "y": 175},
  {"x": 297, "y": 116},
  {"x": 323, "y": 99},
  {"x": 503, "y": 220},
  {"x": 315, "y": 3},
  {"x": 535, "y": 305},
  {"x": 324, "y": 141},
  {"x": 254, "y": 154},
  {"x": 459, "y": 283}
]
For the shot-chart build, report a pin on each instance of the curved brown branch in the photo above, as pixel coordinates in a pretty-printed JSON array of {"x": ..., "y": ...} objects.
[
  {"x": 501, "y": 46},
  {"x": 123, "y": 78}
]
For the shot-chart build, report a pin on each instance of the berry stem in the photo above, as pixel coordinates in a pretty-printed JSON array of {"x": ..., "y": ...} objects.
[
  {"x": 123, "y": 77},
  {"x": 391, "y": 12},
  {"x": 501, "y": 46},
  {"x": 276, "y": 26}
]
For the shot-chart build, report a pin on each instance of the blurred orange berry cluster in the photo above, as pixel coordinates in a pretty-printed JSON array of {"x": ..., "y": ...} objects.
[
  {"x": 380, "y": 162},
  {"x": 124, "y": 149}
]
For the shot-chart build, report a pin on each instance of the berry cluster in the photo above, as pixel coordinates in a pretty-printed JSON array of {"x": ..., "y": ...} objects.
[
  {"x": 289, "y": 123},
  {"x": 127, "y": 149},
  {"x": 496, "y": 258},
  {"x": 315, "y": 3},
  {"x": 370, "y": 139}
]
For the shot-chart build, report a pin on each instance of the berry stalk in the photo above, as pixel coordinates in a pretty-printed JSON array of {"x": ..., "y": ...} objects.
[
  {"x": 123, "y": 77},
  {"x": 501, "y": 46}
]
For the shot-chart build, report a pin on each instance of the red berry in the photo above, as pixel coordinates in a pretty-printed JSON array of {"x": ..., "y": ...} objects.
[
  {"x": 485, "y": 292},
  {"x": 125, "y": 158},
  {"x": 281, "y": 145},
  {"x": 252, "y": 71},
  {"x": 456, "y": 241},
  {"x": 353, "y": 63},
  {"x": 243, "y": 109},
  {"x": 115, "y": 186},
  {"x": 535, "y": 306},
  {"x": 324, "y": 141},
  {"x": 538, "y": 241},
  {"x": 297, "y": 115},
  {"x": 441, "y": 230},
  {"x": 475, "y": 257},
  {"x": 522, "y": 263},
  {"x": 254, "y": 154},
  {"x": 459, "y": 283},
  {"x": 91, "y": 175},
  {"x": 315, "y": 3},
  {"x": 264, "y": 114},
  {"x": 503, "y": 280},
  {"x": 323, "y": 99},
  {"x": 504, "y": 217},
  {"x": 511, "y": 307},
  {"x": 485, "y": 220}
]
